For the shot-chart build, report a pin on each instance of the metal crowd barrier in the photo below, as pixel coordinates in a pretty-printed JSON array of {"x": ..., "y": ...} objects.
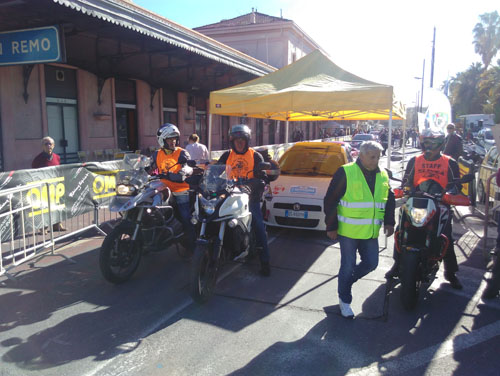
[
  {"x": 486, "y": 213},
  {"x": 29, "y": 231}
]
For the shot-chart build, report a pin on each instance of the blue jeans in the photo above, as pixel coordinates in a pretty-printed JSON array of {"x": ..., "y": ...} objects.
[
  {"x": 260, "y": 231},
  {"x": 185, "y": 217},
  {"x": 349, "y": 271}
]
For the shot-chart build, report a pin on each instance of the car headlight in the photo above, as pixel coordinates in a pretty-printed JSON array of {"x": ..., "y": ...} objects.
[
  {"x": 418, "y": 215},
  {"x": 125, "y": 190}
]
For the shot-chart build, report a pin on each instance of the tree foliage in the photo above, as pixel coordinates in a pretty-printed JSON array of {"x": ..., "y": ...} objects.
[
  {"x": 477, "y": 90},
  {"x": 487, "y": 37}
]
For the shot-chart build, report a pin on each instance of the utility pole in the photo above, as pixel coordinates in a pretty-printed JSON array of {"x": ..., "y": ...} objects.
[
  {"x": 432, "y": 61},
  {"x": 422, "y": 92}
]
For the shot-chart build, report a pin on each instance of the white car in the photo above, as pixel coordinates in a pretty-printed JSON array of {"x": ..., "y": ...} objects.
[{"x": 296, "y": 198}]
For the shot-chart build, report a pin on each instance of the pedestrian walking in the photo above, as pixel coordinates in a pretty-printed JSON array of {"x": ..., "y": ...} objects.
[
  {"x": 359, "y": 201},
  {"x": 453, "y": 144}
]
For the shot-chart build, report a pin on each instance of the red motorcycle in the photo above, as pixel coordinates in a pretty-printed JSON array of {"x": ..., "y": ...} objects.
[{"x": 420, "y": 237}]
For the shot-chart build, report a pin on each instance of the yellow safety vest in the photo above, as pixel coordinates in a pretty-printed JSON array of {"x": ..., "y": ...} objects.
[{"x": 361, "y": 213}]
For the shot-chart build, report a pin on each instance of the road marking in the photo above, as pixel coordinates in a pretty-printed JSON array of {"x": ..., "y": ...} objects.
[
  {"x": 152, "y": 328},
  {"x": 454, "y": 344},
  {"x": 430, "y": 354}
]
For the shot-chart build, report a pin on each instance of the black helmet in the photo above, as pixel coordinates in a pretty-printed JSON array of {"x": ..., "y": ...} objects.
[
  {"x": 240, "y": 131},
  {"x": 167, "y": 130}
]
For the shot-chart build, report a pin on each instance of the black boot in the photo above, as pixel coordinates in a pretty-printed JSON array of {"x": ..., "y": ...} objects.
[
  {"x": 454, "y": 282},
  {"x": 265, "y": 269},
  {"x": 393, "y": 273}
]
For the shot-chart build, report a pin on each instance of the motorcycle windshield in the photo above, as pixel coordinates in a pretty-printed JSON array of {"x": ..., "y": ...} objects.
[
  {"x": 430, "y": 186},
  {"x": 133, "y": 170},
  {"x": 215, "y": 179}
]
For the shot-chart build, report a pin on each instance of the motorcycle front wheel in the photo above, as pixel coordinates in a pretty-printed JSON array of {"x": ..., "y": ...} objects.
[
  {"x": 203, "y": 273},
  {"x": 408, "y": 277},
  {"x": 120, "y": 255}
]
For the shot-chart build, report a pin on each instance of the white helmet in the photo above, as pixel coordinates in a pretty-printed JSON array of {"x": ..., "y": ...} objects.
[{"x": 167, "y": 130}]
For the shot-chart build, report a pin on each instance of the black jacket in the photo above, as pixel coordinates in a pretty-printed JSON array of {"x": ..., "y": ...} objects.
[{"x": 336, "y": 191}]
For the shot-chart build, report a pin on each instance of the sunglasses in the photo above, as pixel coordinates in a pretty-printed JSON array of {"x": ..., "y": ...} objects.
[{"x": 48, "y": 143}]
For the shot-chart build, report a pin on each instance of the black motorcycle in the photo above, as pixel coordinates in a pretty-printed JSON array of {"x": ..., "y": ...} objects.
[{"x": 420, "y": 236}]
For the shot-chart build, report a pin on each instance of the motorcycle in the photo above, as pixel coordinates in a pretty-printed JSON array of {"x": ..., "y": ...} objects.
[
  {"x": 419, "y": 237},
  {"x": 148, "y": 222},
  {"x": 225, "y": 232}
]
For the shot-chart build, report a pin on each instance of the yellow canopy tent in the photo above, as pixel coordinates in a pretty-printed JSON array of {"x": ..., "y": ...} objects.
[{"x": 311, "y": 89}]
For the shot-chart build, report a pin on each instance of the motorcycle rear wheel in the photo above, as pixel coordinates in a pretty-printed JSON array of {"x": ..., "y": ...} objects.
[
  {"x": 120, "y": 256},
  {"x": 203, "y": 273},
  {"x": 408, "y": 277}
]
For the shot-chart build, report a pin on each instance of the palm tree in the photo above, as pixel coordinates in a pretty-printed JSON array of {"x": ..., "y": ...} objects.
[
  {"x": 489, "y": 86},
  {"x": 465, "y": 97},
  {"x": 487, "y": 37}
]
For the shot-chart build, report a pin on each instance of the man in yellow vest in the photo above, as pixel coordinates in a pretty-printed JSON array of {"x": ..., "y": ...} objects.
[
  {"x": 359, "y": 201},
  {"x": 243, "y": 160},
  {"x": 166, "y": 161}
]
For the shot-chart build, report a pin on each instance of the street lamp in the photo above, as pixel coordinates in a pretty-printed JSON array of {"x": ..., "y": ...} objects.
[{"x": 422, "y": 91}]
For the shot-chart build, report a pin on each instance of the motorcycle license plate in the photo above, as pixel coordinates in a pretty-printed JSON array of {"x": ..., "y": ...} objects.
[{"x": 295, "y": 214}]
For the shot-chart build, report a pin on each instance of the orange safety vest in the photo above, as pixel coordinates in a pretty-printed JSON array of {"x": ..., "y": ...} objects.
[
  {"x": 241, "y": 164},
  {"x": 164, "y": 161},
  {"x": 431, "y": 170}
]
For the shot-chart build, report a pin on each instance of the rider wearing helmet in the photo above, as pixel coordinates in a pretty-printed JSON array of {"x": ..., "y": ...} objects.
[
  {"x": 166, "y": 160},
  {"x": 433, "y": 165},
  {"x": 243, "y": 160}
]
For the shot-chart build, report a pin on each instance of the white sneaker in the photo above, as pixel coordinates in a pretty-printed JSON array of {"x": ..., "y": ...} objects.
[{"x": 345, "y": 310}]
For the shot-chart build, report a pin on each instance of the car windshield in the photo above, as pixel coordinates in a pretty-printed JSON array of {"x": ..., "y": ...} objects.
[
  {"x": 215, "y": 178},
  {"x": 312, "y": 160},
  {"x": 362, "y": 137}
]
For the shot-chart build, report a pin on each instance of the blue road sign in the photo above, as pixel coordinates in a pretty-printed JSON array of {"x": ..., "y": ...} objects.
[{"x": 31, "y": 46}]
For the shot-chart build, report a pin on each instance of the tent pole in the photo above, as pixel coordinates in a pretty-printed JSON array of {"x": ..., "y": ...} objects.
[
  {"x": 389, "y": 151},
  {"x": 389, "y": 140},
  {"x": 404, "y": 144},
  {"x": 210, "y": 136},
  {"x": 286, "y": 131}
]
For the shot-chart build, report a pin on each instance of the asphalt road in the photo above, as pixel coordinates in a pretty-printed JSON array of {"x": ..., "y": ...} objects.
[{"x": 60, "y": 318}]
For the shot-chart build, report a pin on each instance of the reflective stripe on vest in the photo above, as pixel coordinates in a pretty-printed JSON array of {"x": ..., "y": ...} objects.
[
  {"x": 241, "y": 164},
  {"x": 431, "y": 170},
  {"x": 164, "y": 162},
  {"x": 361, "y": 213},
  {"x": 353, "y": 221}
]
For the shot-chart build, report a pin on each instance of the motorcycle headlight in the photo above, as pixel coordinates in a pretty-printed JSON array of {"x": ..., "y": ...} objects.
[
  {"x": 209, "y": 206},
  {"x": 125, "y": 190},
  {"x": 418, "y": 215}
]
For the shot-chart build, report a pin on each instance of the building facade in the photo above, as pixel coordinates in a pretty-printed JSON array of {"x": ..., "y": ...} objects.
[
  {"x": 276, "y": 41},
  {"x": 125, "y": 71}
]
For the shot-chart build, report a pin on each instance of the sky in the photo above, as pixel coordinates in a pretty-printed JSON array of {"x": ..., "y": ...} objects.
[{"x": 384, "y": 41}]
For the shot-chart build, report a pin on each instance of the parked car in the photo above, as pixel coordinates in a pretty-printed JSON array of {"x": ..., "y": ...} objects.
[
  {"x": 359, "y": 138},
  {"x": 485, "y": 138},
  {"x": 488, "y": 167},
  {"x": 295, "y": 199}
]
